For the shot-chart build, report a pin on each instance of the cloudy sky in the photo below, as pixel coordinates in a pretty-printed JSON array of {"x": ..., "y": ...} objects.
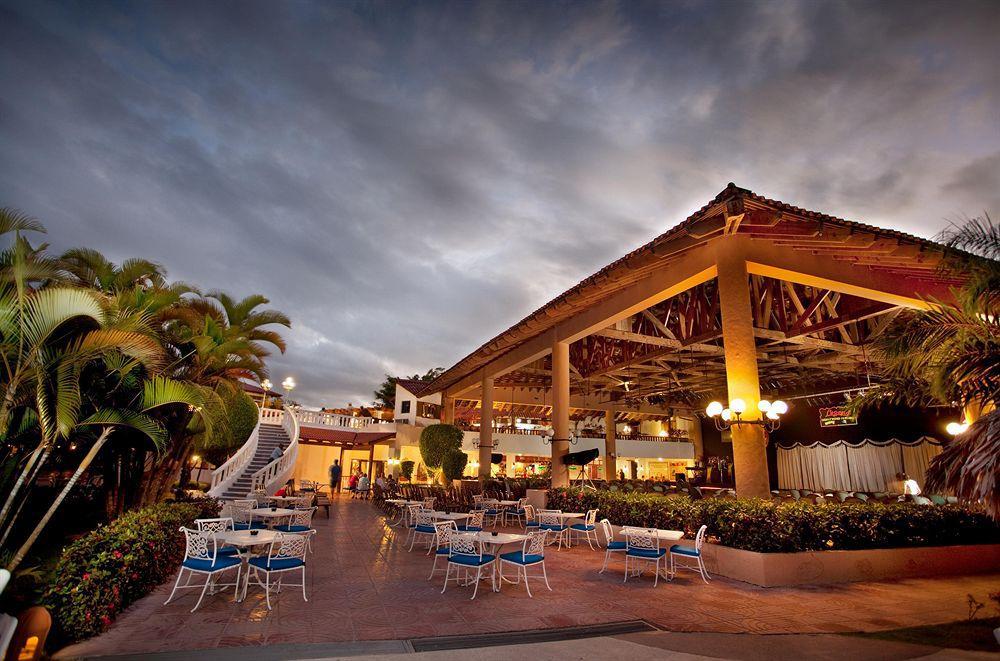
[{"x": 407, "y": 179}]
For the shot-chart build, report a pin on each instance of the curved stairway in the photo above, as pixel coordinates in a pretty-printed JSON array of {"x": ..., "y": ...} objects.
[{"x": 271, "y": 435}]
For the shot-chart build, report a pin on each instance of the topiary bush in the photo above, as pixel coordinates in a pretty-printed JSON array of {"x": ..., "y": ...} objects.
[
  {"x": 785, "y": 527},
  {"x": 453, "y": 465},
  {"x": 439, "y": 441},
  {"x": 103, "y": 572},
  {"x": 406, "y": 469}
]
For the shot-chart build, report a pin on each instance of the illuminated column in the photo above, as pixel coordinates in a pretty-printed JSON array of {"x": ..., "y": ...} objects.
[
  {"x": 749, "y": 441},
  {"x": 371, "y": 461},
  {"x": 447, "y": 410},
  {"x": 560, "y": 413},
  {"x": 610, "y": 451},
  {"x": 486, "y": 428}
]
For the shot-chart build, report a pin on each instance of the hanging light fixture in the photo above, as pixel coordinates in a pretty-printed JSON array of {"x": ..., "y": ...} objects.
[{"x": 725, "y": 417}]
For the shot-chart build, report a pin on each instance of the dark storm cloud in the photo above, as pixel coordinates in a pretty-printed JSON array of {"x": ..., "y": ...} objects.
[{"x": 405, "y": 180}]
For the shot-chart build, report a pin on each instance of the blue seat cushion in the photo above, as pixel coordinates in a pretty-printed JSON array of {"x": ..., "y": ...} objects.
[
  {"x": 531, "y": 524},
  {"x": 521, "y": 559},
  {"x": 425, "y": 529},
  {"x": 442, "y": 551},
  {"x": 685, "y": 550},
  {"x": 227, "y": 550},
  {"x": 646, "y": 553},
  {"x": 276, "y": 563},
  {"x": 552, "y": 527},
  {"x": 472, "y": 560},
  {"x": 255, "y": 525},
  {"x": 292, "y": 528},
  {"x": 492, "y": 512},
  {"x": 583, "y": 527},
  {"x": 221, "y": 562},
  {"x": 617, "y": 546},
  {"x": 470, "y": 529}
]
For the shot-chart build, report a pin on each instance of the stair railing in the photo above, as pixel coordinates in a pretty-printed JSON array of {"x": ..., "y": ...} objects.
[
  {"x": 272, "y": 476},
  {"x": 224, "y": 476}
]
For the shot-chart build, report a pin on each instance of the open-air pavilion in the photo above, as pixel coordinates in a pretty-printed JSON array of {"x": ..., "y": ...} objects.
[{"x": 748, "y": 298}]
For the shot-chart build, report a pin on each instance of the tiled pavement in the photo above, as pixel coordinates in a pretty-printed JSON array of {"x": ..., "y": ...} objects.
[{"x": 364, "y": 585}]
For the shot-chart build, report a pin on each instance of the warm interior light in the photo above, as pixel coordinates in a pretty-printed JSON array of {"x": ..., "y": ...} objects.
[
  {"x": 727, "y": 415},
  {"x": 772, "y": 415},
  {"x": 738, "y": 406},
  {"x": 714, "y": 409},
  {"x": 779, "y": 407},
  {"x": 195, "y": 459},
  {"x": 764, "y": 406},
  {"x": 956, "y": 428}
]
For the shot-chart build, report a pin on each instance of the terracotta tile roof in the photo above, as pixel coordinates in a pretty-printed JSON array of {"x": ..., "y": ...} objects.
[
  {"x": 255, "y": 389},
  {"x": 415, "y": 386},
  {"x": 691, "y": 233}
]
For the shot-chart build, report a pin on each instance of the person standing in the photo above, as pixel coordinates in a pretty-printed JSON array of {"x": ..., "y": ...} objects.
[{"x": 335, "y": 473}]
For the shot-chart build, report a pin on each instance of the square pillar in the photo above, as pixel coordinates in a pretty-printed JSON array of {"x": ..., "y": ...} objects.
[
  {"x": 447, "y": 410},
  {"x": 610, "y": 450},
  {"x": 560, "y": 413},
  {"x": 486, "y": 428},
  {"x": 749, "y": 441}
]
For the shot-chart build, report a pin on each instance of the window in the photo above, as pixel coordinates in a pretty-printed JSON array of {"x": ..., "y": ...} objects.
[{"x": 404, "y": 407}]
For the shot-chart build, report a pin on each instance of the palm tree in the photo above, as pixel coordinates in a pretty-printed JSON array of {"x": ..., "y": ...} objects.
[{"x": 950, "y": 354}]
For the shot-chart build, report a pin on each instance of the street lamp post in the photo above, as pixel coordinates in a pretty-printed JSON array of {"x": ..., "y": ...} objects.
[{"x": 288, "y": 385}]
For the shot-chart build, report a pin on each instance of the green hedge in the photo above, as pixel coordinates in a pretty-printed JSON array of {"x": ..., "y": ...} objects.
[
  {"x": 784, "y": 527},
  {"x": 103, "y": 572}
]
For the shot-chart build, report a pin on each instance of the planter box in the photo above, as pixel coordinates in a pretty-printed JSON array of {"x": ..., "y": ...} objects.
[{"x": 821, "y": 567}]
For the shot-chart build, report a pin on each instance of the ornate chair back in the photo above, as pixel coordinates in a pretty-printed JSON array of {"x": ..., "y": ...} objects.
[
  {"x": 302, "y": 517},
  {"x": 444, "y": 530},
  {"x": 591, "y": 518},
  {"x": 425, "y": 518},
  {"x": 429, "y": 502},
  {"x": 260, "y": 496},
  {"x": 288, "y": 546},
  {"x": 240, "y": 509},
  {"x": 549, "y": 517},
  {"x": 535, "y": 544},
  {"x": 609, "y": 532},
  {"x": 220, "y": 524},
  {"x": 477, "y": 518},
  {"x": 529, "y": 512},
  {"x": 464, "y": 544},
  {"x": 699, "y": 539},
  {"x": 641, "y": 539},
  {"x": 201, "y": 544}
]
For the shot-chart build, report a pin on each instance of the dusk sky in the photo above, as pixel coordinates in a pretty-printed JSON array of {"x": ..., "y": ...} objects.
[{"x": 406, "y": 179}]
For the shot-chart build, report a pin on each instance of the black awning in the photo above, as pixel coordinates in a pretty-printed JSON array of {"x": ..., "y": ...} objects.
[{"x": 581, "y": 458}]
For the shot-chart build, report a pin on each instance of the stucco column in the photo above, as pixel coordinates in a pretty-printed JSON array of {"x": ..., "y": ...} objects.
[
  {"x": 447, "y": 410},
  {"x": 371, "y": 461},
  {"x": 749, "y": 441},
  {"x": 560, "y": 413},
  {"x": 610, "y": 450},
  {"x": 486, "y": 428}
]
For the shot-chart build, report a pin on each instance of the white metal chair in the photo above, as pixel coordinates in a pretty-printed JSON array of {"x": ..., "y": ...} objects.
[
  {"x": 611, "y": 546},
  {"x": 259, "y": 496},
  {"x": 443, "y": 532},
  {"x": 474, "y": 523},
  {"x": 465, "y": 553},
  {"x": 494, "y": 513},
  {"x": 301, "y": 502},
  {"x": 641, "y": 546},
  {"x": 201, "y": 557},
  {"x": 517, "y": 514},
  {"x": 410, "y": 518},
  {"x": 588, "y": 529},
  {"x": 429, "y": 502},
  {"x": 299, "y": 523},
  {"x": 551, "y": 521},
  {"x": 682, "y": 551},
  {"x": 530, "y": 518},
  {"x": 217, "y": 525},
  {"x": 286, "y": 553},
  {"x": 532, "y": 553},
  {"x": 242, "y": 518},
  {"x": 423, "y": 527},
  {"x": 477, "y": 501}
]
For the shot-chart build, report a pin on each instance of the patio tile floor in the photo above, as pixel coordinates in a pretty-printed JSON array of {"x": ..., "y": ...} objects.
[{"x": 364, "y": 585}]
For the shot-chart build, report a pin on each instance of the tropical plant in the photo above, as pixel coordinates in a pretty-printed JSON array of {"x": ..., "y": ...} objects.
[
  {"x": 950, "y": 354},
  {"x": 437, "y": 442},
  {"x": 406, "y": 469},
  {"x": 453, "y": 465},
  {"x": 385, "y": 396}
]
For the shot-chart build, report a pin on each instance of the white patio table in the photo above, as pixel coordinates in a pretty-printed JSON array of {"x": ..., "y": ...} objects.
[
  {"x": 493, "y": 541},
  {"x": 272, "y": 515},
  {"x": 450, "y": 516},
  {"x": 246, "y": 540},
  {"x": 662, "y": 535}
]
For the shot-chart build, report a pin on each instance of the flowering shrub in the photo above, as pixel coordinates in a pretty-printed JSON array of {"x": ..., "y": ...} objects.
[
  {"x": 102, "y": 573},
  {"x": 783, "y": 527}
]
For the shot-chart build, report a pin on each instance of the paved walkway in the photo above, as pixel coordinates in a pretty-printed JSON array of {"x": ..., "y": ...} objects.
[{"x": 364, "y": 585}]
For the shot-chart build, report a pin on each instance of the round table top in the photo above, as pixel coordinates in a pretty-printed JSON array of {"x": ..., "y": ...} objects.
[
  {"x": 267, "y": 511},
  {"x": 245, "y": 538}
]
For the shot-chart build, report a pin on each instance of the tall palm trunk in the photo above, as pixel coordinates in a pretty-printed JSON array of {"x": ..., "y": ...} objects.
[
  {"x": 33, "y": 537},
  {"x": 31, "y": 480},
  {"x": 23, "y": 479}
]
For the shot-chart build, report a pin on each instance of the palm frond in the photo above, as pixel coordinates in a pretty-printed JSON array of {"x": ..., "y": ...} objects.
[
  {"x": 969, "y": 465},
  {"x": 125, "y": 418},
  {"x": 50, "y": 308},
  {"x": 13, "y": 220}
]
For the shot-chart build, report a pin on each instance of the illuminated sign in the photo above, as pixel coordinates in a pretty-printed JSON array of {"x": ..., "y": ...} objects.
[{"x": 837, "y": 416}]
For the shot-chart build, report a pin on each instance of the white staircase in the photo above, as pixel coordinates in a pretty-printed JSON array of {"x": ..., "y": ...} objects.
[{"x": 251, "y": 467}]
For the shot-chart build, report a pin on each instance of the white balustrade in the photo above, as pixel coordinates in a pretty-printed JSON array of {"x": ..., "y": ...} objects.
[
  {"x": 272, "y": 416},
  {"x": 276, "y": 473},
  {"x": 226, "y": 474}
]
